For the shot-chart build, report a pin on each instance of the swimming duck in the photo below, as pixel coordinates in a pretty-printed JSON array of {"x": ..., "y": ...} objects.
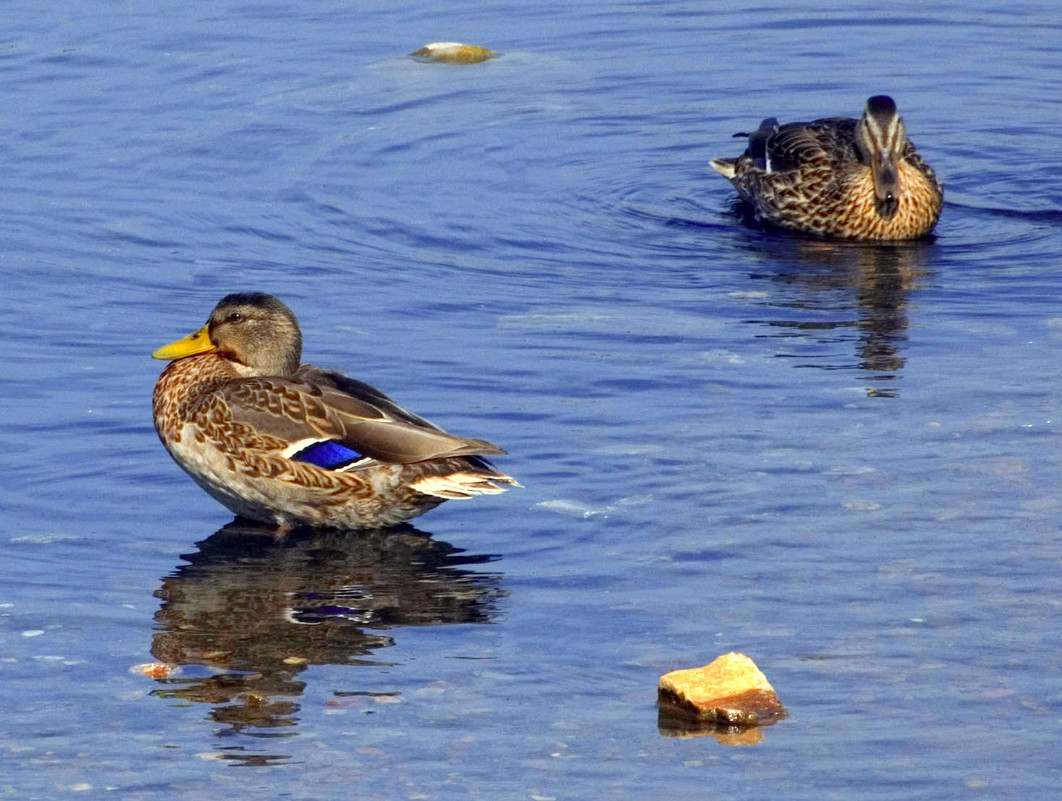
[
  {"x": 861, "y": 179},
  {"x": 292, "y": 444}
]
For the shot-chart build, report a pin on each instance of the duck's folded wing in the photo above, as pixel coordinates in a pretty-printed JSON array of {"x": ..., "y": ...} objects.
[
  {"x": 306, "y": 415},
  {"x": 794, "y": 145},
  {"x": 359, "y": 390}
]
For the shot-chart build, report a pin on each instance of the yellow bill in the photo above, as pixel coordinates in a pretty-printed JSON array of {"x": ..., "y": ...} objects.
[{"x": 199, "y": 342}]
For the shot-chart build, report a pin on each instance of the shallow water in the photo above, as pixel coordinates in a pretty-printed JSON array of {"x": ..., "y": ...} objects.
[{"x": 839, "y": 459}]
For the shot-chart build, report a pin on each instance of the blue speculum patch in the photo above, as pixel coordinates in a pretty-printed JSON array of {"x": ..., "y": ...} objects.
[{"x": 328, "y": 455}]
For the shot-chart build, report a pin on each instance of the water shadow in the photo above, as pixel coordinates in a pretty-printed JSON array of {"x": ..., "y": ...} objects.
[
  {"x": 832, "y": 292},
  {"x": 251, "y": 613}
]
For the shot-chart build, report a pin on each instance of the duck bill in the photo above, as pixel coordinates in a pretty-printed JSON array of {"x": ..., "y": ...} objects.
[
  {"x": 886, "y": 185},
  {"x": 199, "y": 342}
]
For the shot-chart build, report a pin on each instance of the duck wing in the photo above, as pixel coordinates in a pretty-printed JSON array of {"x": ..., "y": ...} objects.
[
  {"x": 797, "y": 144},
  {"x": 334, "y": 421}
]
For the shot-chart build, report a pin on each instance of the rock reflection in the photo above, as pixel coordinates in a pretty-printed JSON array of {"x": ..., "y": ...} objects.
[
  {"x": 720, "y": 732},
  {"x": 254, "y": 612},
  {"x": 827, "y": 276}
]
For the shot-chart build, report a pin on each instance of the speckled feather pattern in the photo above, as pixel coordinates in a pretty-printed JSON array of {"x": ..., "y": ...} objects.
[
  {"x": 246, "y": 470},
  {"x": 818, "y": 185}
]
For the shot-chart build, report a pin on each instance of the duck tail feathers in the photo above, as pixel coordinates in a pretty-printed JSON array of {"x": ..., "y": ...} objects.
[
  {"x": 724, "y": 167},
  {"x": 461, "y": 486}
]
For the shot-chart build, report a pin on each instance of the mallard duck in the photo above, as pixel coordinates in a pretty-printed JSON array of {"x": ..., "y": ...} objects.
[
  {"x": 291, "y": 444},
  {"x": 861, "y": 179}
]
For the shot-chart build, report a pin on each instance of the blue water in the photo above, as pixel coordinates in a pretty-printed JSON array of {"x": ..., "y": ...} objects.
[{"x": 842, "y": 460}]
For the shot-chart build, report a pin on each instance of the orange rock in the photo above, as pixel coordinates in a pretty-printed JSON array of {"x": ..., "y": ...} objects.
[
  {"x": 156, "y": 670},
  {"x": 730, "y": 691},
  {"x": 454, "y": 53}
]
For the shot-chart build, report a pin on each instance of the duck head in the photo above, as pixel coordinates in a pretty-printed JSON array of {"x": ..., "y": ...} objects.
[
  {"x": 881, "y": 138},
  {"x": 253, "y": 331}
]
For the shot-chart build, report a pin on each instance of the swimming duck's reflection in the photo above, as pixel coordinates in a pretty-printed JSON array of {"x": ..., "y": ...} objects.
[
  {"x": 823, "y": 282},
  {"x": 254, "y": 612}
]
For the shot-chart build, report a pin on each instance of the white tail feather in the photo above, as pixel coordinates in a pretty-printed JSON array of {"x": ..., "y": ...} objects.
[
  {"x": 724, "y": 167},
  {"x": 460, "y": 486}
]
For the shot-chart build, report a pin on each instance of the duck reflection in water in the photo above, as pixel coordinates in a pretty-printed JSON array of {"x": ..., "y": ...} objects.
[
  {"x": 823, "y": 282},
  {"x": 255, "y": 612}
]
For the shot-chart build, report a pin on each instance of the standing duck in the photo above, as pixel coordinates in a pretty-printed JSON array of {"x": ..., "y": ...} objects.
[
  {"x": 860, "y": 179},
  {"x": 291, "y": 444}
]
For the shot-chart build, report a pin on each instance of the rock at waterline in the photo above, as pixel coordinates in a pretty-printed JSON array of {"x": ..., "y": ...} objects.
[
  {"x": 731, "y": 691},
  {"x": 453, "y": 53}
]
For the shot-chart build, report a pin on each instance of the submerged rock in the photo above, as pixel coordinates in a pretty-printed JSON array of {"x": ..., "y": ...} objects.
[
  {"x": 454, "y": 53},
  {"x": 155, "y": 670},
  {"x": 731, "y": 691}
]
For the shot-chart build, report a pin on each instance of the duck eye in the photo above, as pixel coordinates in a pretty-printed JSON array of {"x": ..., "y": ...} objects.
[{"x": 234, "y": 317}]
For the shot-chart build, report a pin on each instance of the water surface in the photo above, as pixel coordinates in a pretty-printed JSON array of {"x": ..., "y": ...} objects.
[{"x": 839, "y": 459}]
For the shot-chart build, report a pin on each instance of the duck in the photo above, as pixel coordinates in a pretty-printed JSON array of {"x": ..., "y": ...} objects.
[
  {"x": 294, "y": 445},
  {"x": 838, "y": 177}
]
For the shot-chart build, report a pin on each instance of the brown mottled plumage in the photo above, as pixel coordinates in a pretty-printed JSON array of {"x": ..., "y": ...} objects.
[
  {"x": 294, "y": 445},
  {"x": 860, "y": 179}
]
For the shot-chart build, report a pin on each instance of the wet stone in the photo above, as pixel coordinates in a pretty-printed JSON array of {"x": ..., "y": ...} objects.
[
  {"x": 454, "y": 53},
  {"x": 730, "y": 691}
]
